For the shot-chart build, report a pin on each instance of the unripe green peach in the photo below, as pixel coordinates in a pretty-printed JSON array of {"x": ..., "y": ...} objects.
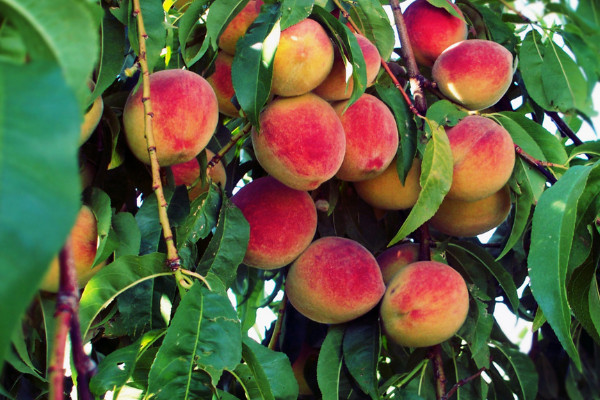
[
  {"x": 238, "y": 26},
  {"x": 301, "y": 141},
  {"x": 484, "y": 158},
  {"x": 303, "y": 59},
  {"x": 371, "y": 138},
  {"x": 220, "y": 81},
  {"x": 282, "y": 220},
  {"x": 475, "y": 73},
  {"x": 425, "y": 304},
  {"x": 185, "y": 113},
  {"x": 387, "y": 192},
  {"x": 188, "y": 174},
  {"x": 432, "y": 29},
  {"x": 338, "y": 86},
  {"x": 334, "y": 280},
  {"x": 472, "y": 218},
  {"x": 84, "y": 243}
]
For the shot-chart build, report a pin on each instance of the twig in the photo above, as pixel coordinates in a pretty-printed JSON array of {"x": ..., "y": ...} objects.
[
  {"x": 425, "y": 243},
  {"x": 539, "y": 165},
  {"x": 435, "y": 354},
  {"x": 277, "y": 329},
  {"x": 232, "y": 142},
  {"x": 520, "y": 14},
  {"x": 563, "y": 128},
  {"x": 83, "y": 364},
  {"x": 462, "y": 382}
]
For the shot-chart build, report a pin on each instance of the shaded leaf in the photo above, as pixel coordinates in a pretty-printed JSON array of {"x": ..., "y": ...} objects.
[
  {"x": 374, "y": 24},
  {"x": 519, "y": 368},
  {"x": 361, "y": 352},
  {"x": 531, "y": 61},
  {"x": 583, "y": 299},
  {"x": 154, "y": 24},
  {"x": 329, "y": 364},
  {"x": 294, "y": 11}
]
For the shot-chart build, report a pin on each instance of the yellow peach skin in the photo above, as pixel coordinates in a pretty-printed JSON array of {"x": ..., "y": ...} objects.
[
  {"x": 238, "y": 26},
  {"x": 472, "y": 218},
  {"x": 220, "y": 81},
  {"x": 475, "y": 73},
  {"x": 425, "y": 304}
]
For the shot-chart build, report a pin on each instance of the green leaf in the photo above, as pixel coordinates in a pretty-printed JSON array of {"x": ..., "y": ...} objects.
[
  {"x": 252, "y": 68},
  {"x": 329, "y": 364},
  {"x": 374, "y": 23},
  {"x": 127, "y": 234},
  {"x": 65, "y": 33},
  {"x": 100, "y": 204},
  {"x": 227, "y": 247},
  {"x": 479, "y": 325},
  {"x": 594, "y": 300},
  {"x": 445, "y": 113},
  {"x": 39, "y": 130},
  {"x": 187, "y": 23},
  {"x": 271, "y": 370},
  {"x": 118, "y": 367},
  {"x": 154, "y": 24},
  {"x": 111, "y": 54},
  {"x": 583, "y": 299},
  {"x": 294, "y": 11},
  {"x": 220, "y": 15},
  {"x": 592, "y": 148},
  {"x": 531, "y": 61},
  {"x": 552, "y": 232},
  {"x": 447, "y": 6},
  {"x": 204, "y": 212},
  {"x": 436, "y": 178},
  {"x": 519, "y": 368},
  {"x": 587, "y": 57},
  {"x": 361, "y": 352},
  {"x": 114, "y": 279},
  {"x": 204, "y": 334}
]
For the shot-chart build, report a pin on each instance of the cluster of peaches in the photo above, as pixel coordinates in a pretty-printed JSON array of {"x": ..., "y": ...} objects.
[{"x": 308, "y": 135}]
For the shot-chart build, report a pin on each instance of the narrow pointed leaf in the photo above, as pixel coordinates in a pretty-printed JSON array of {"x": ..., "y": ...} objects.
[
  {"x": 329, "y": 364},
  {"x": 361, "y": 353}
]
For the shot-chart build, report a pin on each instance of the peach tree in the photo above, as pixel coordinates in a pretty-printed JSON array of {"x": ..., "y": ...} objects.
[{"x": 330, "y": 164}]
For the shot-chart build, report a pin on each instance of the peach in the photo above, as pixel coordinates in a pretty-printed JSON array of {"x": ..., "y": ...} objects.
[
  {"x": 306, "y": 365},
  {"x": 220, "y": 81},
  {"x": 397, "y": 257},
  {"x": 474, "y": 73},
  {"x": 472, "y": 218},
  {"x": 371, "y": 138},
  {"x": 337, "y": 86},
  {"x": 301, "y": 141},
  {"x": 335, "y": 280},
  {"x": 84, "y": 243},
  {"x": 91, "y": 119},
  {"x": 303, "y": 59},
  {"x": 188, "y": 174},
  {"x": 238, "y": 26},
  {"x": 484, "y": 158},
  {"x": 282, "y": 220},
  {"x": 186, "y": 113},
  {"x": 432, "y": 29},
  {"x": 425, "y": 304},
  {"x": 387, "y": 192}
]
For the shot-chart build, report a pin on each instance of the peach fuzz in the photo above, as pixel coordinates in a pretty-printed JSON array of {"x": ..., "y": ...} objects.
[
  {"x": 303, "y": 59},
  {"x": 484, "y": 158},
  {"x": 371, "y": 138},
  {"x": 472, "y": 218},
  {"x": 432, "y": 29},
  {"x": 188, "y": 174},
  {"x": 397, "y": 257},
  {"x": 282, "y": 220},
  {"x": 387, "y": 192},
  {"x": 238, "y": 26},
  {"x": 425, "y": 304},
  {"x": 220, "y": 81},
  {"x": 185, "y": 117},
  {"x": 335, "y": 280},
  {"x": 335, "y": 87},
  {"x": 84, "y": 243},
  {"x": 301, "y": 141},
  {"x": 475, "y": 73}
]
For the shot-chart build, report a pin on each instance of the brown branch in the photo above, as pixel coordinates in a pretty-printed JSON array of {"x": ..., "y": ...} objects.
[
  {"x": 462, "y": 382},
  {"x": 232, "y": 142},
  {"x": 563, "y": 128},
  {"x": 277, "y": 329},
  {"x": 537, "y": 164},
  {"x": 435, "y": 354},
  {"x": 425, "y": 243}
]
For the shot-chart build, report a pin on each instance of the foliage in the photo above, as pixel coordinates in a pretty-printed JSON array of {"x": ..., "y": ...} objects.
[{"x": 151, "y": 340}]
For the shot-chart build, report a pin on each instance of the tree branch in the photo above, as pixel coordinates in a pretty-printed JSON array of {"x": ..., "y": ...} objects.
[
  {"x": 539, "y": 165},
  {"x": 232, "y": 143},
  {"x": 435, "y": 354},
  {"x": 563, "y": 128},
  {"x": 462, "y": 382},
  {"x": 277, "y": 330}
]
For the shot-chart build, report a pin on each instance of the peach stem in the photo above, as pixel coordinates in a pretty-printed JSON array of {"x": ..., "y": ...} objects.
[{"x": 232, "y": 142}]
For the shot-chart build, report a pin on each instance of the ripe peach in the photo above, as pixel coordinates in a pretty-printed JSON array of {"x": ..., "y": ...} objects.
[
  {"x": 432, "y": 29},
  {"x": 84, "y": 236},
  {"x": 303, "y": 59},
  {"x": 425, "y": 304},
  {"x": 282, "y": 220},
  {"x": 220, "y": 81},
  {"x": 371, "y": 138},
  {"x": 185, "y": 116},
  {"x": 339, "y": 87},
  {"x": 475, "y": 73},
  {"x": 484, "y": 158},
  {"x": 301, "y": 141},
  {"x": 335, "y": 280},
  {"x": 397, "y": 257},
  {"x": 387, "y": 192},
  {"x": 188, "y": 174},
  {"x": 238, "y": 26},
  {"x": 91, "y": 119},
  {"x": 472, "y": 218}
]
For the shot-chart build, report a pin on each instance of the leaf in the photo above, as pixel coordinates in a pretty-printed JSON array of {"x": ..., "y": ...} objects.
[
  {"x": 127, "y": 234},
  {"x": 220, "y": 15},
  {"x": 361, "y": 352},
  {"x": 252, "y": 67},
  {"x": 118, "y": 367},
  {"x": 153, "y": 16},
  {"x": 227, "y": 247},
  {"x": 39, "y": 183},
  {"x": 531, "y": 61},
  {"x": 329, "y": 364},
  {"x": 187, "y": 23},
  {"x": 114, "y": 279},
  {"x": 271, "y": 370},
  {"x": 204, "y": 335},
  {"x": 519, "y": 368},
  {"x": 204, "y": 212},
  {"x": 583, "y": 299},
  {"x": 65, "y": 33},
  {"x": 294, "y": 11},
  {"x": 445, "y": 113},
  {"x": 594, "y": 300},
  {"x": 552, "y": 234},
  {"x": 587, "y": 57},
  {"x": 111, "y": 54},
  {"x": 374, "y": 24},
  {"x": 436, "y": 178},
  {"x": 100, "y": 203},
  {"x": 445, "y": 5}
]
